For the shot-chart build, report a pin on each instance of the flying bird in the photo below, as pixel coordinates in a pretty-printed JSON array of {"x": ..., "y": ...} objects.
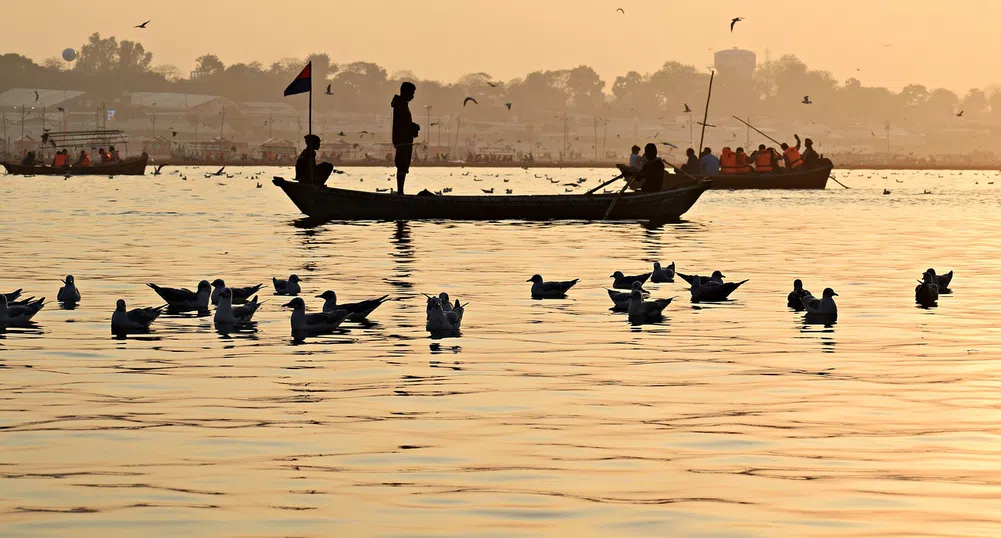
[
  {"x": 960, "y": 114},
  {"x": 143, "y": 25},
  {"x": 173, "y": 134},
  {"x": 806, "y": 100},
  {"x": 328, "y": 92},
  {"x": 493, "y": 84},
  {"x": 60, "y": 109},
  {"x": 735, "y": 21},
  {"x": 36, "y": 95},
  {"x": 468, "y": 99},
  {"x": 687, "y": 109},
  {"x": 669, "y": 144},
  {"x": 508, "y": 105},
  {"x": 621, "y": 10},
  {"x": 341, "y": 134}
]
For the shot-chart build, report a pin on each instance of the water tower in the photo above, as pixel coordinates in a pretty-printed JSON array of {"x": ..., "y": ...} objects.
[{"x": 735, "y": 66}]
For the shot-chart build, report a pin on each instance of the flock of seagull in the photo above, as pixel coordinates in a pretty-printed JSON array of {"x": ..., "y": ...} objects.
[{"x": 235, "y": 306}]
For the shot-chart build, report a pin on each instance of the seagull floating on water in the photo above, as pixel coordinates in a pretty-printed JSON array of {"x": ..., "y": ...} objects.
[
  {"x": 822, "y": 309},
  {"x": 69, "y": 292},
  {"x": 550, "y": 290},
  {"x": 660, "y": 274},
  {"x": 239, "y": 295},
  {"x": 304, "y": 324},
  {"x": 623, "y": 282},
  {"x": 712, "y": 290},
  {"x": 287, "y": 287},
  {"x": 16, "y": 315},
  {"x": 356, "y": 311},
  {"x": 226, "y": 313},
  {"x": 442, "y": 323},
  {"x": 641, "y": 311},
  {"x": 926, "y": 293},
  {"x": 942, "y": 281},
  {"x": 135, "y": 320},
  {"x": 183, "y": 299},
  {"x": 795, "y": 299},
  {"x": 620, "y": 299}
]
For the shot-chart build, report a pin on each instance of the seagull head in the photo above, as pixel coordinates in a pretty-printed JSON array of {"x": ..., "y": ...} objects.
[
  {"x": 68, "y": 280},
  {"x": 828, "y": 293},
  {"x": 294, "y": 278},
  {"x": 638, "y": 286},
  {"x": 929, "y": 278},
  {"x": 617, "y": 274},
  {"x": 635, "y": 293},
  {"x": 218, "y": 283},
  {"x": 295, "y": 304},
  {"x": 535, "y": 278},
  {"x": 797, "y": 284},
  {"x": 718, "y": 274},
  {"x": 444, "y": 298},
  {"x": 204, "y": 285},
  {"x": 434, "y": 303},
  {"x": 226, "y": 293},
  {"x": 328, "y": 296},
  {"x": 656, "y": 266},
  {"x": 119, "y": 306},
  {"x": 930, "y": 271}
]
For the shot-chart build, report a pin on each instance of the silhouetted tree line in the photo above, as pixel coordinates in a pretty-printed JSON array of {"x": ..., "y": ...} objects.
[{"x": 109, "y": 66}]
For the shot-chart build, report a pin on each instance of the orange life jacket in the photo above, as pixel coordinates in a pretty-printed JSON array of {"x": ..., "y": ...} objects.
[
  {"x": 795, "y": 159},
  {"x": 763, "y": 162},
  {"x": 743, "y": 167},
  {"x": 727, "y": 161},
  {"x": 85, "y": 161},
  {"x": 59, "y": 161}
]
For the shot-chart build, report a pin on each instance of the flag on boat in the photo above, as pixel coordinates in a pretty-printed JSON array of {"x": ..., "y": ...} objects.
[{"x": 302, "y": 83}]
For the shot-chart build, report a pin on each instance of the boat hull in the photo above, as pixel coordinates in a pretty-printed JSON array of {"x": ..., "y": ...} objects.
[
  {"x": 815, "y": 178},
  {"x": 135, "y": 166},
  {"x": 327, "y": 203}
]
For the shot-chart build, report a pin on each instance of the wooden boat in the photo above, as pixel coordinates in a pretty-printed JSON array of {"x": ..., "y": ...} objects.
[
  {"x": 815, "y": 178},
  {"x": 328, "y": 203},
  {"x": 133, "y": 166}
]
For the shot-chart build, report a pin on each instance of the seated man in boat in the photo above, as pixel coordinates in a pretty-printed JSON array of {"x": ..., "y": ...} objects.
[
  {"x": 692, "y": 164},
  {"x": 113, "y": 155},
  {"x": 105, "y": 157},
  {"x": 810, "y": 155},
  {"x": 83, "y": 159},
  {"x": 62, "y": 159},
  {"x": 743, "y": 164},
  {"x": 709, "y": 162},
  {"x": 652, "y": 173},
  {"x": 763, "y": 160},
  {"x": 793, "y": 159},
  {"x": 29, "y": 159},
  {"x": 306, "y": 169},
  {"x": 727, "y": 161},
  {"x": 635, "y": 159}
]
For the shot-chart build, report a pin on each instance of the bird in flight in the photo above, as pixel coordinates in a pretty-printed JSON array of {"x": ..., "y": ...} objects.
[
  {"x": 36, "y": 95},
  {"x": 669, "y": 144},
  {"x": 341, "y": 134},
  {"x": 468, "y": 99},
  {"x": 143, "y": 25},
  {"x": 173, "y": 134},
  {"x": 806, "y": 100},
  {"x": 328, "y": 92},
  {"x": 508, "y": 105},
  {"x": 493, "y": 84},
  {"x": 960, "y": 114},
  {"x": 621, "y": 11},
  {"x": 687, "y": 109},
  {"x": 60, "y": 109},
  {"x": 734, "y": 22}
]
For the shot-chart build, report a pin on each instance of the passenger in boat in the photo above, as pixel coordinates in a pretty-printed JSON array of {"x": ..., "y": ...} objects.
[
  {"x": 306, "y": 169},
  {"x": 61, "y": 160},
  {"x": 793, "y": 159},
  {"x": 113, "y": 155},
  {"x": 810, "y": 155},
  {"x": 764, "y": 159},
  {"x": 103, "y": 155},
  {"x": 83, "y": 159},
  {"x": 653, "y": 170},
  {"x": 728, "y": 161},
  {"x": 743, "y": 164},
  {"x": 710, "y": 164},
  {"x": 635, "y": 159},
  {"x": 692, "y": 165},
  {"x": 404, "y": 132},
  {"x": 29, "y": 159}
]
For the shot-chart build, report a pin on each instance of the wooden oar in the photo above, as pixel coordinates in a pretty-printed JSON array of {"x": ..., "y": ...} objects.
[
  {"x": 780, "y": 143},
  {"x": 594, "y": 190}
]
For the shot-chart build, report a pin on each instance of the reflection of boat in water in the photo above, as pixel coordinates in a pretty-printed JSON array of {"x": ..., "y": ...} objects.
[
  {"x": 328, "y": 203},
  {"x": 133, "y": 166},
  {"x": 814, "y": 178}
]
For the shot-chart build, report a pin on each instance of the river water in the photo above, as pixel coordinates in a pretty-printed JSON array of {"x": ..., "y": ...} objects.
[{"x": 545, "y": 417}]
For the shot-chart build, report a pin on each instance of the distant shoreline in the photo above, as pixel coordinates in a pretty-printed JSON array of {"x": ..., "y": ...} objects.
[{"x": 581, "y": 164}]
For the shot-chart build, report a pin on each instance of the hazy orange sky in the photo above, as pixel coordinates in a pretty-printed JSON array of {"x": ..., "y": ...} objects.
[{"x": 931, "y": 43}]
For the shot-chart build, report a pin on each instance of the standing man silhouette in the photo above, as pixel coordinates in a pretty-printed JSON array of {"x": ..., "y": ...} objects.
[{"x": 404, "y": 132}]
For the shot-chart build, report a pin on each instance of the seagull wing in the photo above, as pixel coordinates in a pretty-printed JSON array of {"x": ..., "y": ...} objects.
[
  {"x": 173, "y": 295},
  {"x": 468, "y": 99}
]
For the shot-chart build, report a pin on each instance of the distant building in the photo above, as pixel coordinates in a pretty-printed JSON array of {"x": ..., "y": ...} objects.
[{"x": 735, "y": 65}]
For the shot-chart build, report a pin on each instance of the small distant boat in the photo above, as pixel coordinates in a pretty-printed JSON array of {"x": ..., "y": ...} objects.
[
  {"x": 328, "y": 203},
  {"x": 814, "y": 178},
  {"x": 133, "y": 166}
]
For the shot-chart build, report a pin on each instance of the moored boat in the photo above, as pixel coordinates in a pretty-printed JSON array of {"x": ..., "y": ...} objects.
[
  {"x": 329, "y": 203},
  {"x": 814, "y": 178},
  {"x": 133, "y": 166}
]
